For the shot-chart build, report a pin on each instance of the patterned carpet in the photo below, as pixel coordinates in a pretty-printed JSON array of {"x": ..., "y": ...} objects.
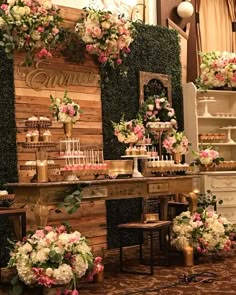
[{"x": 117, "y": 283}]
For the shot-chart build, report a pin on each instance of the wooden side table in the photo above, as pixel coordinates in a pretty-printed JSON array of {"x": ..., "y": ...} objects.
[{"x": 150, "y": 229}]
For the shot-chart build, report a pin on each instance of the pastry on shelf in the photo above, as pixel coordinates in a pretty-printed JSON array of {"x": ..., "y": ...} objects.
[
  {"x": 43, "y": 118},
  {"x": 47, "y": 136},
  {"x": 33, "y": 118},
  {"x": 35, "y": 136},
  {"x": 28, "y": 136}
]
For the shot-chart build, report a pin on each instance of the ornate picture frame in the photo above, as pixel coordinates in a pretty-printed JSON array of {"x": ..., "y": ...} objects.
[{"x": 154, "y": 83}]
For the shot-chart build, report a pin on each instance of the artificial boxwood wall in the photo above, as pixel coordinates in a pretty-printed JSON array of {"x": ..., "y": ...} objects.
[
  {"x": 8, "y": 152},
  {"x": 155, "y": 49}
]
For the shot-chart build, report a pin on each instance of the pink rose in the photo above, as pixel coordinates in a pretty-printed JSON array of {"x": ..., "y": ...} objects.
[
  {"x": 55, "y": 31},
  {"x": 4, "y": 6},
  {"x": 40, "y": 29},
  {"x": 119, "y": 61}
]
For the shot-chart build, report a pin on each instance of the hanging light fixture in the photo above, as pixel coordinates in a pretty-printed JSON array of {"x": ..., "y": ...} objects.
[{"x": 185, "y": 9}]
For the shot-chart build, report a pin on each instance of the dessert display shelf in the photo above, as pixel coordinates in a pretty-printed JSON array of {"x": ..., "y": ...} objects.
[
  {"x": 38, "y": 123},
  {"x": 40, "y": 142},
  {"x": 206, "y": 102},
  {"x": 229, "y": 128},
  {"x": 39, "y": 145},
  {"x": 78, "y": 163},
  {"x": 136, "y": 172},
  {"x": 158, "y": 130},
  {"x": 33, "y": 167}
]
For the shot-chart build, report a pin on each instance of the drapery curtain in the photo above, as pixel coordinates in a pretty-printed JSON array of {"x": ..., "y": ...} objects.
[
  {"x": 215, "y": 25},
  {"x": 232, "y": 13}
]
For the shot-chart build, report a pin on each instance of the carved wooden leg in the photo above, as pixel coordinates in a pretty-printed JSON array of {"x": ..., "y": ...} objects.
[{"x": 41, "y": 213}]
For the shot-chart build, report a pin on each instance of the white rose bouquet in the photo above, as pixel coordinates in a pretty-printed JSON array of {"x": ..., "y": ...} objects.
[
  {"x": 205, "y": 231},
  {"x": 52, "y": 257},
  {"x": 31, "y": 26}
]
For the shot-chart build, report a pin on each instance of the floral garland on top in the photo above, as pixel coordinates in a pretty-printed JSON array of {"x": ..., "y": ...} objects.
[
  {"x": 29, "y": 25},
  {"x": 218, "y": 69},
  {"x": 157, "y": 109},
  {"x": 106, "y": 35}
]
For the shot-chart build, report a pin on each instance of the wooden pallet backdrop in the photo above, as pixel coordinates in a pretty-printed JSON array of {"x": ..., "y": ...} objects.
[{"x": 90, "y": 219}]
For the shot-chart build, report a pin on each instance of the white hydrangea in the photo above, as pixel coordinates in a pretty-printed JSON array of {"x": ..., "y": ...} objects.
[
  {"x": 63, "y": 274},
  {"x": 80, "y": 266}
]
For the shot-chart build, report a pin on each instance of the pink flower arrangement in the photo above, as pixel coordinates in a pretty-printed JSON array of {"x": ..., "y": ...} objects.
[
  {"x": 207, "y": 157},
  {"x": 106, "y": 35},
  {"x": 129, "y": 131},
  {"x": 31, "y": 26},
  {"x": 52, "y": 256},
  {"x": 177, "y": 142},
  {"x": 218, "y": 69},
  {"x": 204, "y": 230},
  {"x": 65, "y": 110}
]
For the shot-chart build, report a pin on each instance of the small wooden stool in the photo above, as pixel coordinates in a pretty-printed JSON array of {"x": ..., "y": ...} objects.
[{"x": 149, "y": 228}]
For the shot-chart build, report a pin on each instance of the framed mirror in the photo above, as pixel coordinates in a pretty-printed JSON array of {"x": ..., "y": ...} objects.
[{"x": 154, "y": 84}]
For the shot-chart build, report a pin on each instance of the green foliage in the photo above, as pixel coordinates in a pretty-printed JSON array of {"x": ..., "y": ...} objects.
[
  {"x": 155, "y": 49},
  {"x": 71, "y": 202},
  {"x": 206, "y": 200},
  {"x": 16, "y": 286}
]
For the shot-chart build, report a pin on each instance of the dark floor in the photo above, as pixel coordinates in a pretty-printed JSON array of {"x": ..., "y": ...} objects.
[{"x": 166, "y": 279}]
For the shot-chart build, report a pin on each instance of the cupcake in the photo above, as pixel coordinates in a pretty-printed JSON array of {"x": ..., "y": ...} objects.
[
  {"x": 33, "y": 118},
  {"x": 35, "y": 136},
  {"x": 47, "y": 136},
  {"x": 28, "y": 136}
]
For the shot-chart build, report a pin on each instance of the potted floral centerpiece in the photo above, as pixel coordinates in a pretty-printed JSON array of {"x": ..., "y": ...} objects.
[
  {"x": 65, "y": 110},
  {"x": 54, "y": 258},
  {"x": 176, "y": 143},
  {"x": 206, "y": 159},
  {"x": 106, "y": 35},
  {"x": 129, "y": 131},
  {"x": 204, "y": 230},
  {"x": 30, "y": 26}
]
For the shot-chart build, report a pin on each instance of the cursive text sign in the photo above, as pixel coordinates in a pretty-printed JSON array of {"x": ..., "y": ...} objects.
[{"x": 42, "y": 76}]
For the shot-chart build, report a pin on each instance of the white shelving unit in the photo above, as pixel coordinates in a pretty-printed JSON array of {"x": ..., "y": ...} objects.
[
  {"x": 213, "y": 111},
  {"x": 217, "y": 116}
]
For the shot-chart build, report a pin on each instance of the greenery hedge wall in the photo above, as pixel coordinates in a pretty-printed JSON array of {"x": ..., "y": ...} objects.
[
  {"x": 8, "y": 150},
  {"x": 155, "y": 49}
]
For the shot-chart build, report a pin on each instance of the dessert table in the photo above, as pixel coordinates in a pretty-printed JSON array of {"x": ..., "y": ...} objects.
[{"x": 42, "y": 196}]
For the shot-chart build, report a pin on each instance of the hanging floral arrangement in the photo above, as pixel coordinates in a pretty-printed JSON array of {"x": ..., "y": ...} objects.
[
  {"x": 30, "y": 26},
  {"x": 106, "y": 35}
]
